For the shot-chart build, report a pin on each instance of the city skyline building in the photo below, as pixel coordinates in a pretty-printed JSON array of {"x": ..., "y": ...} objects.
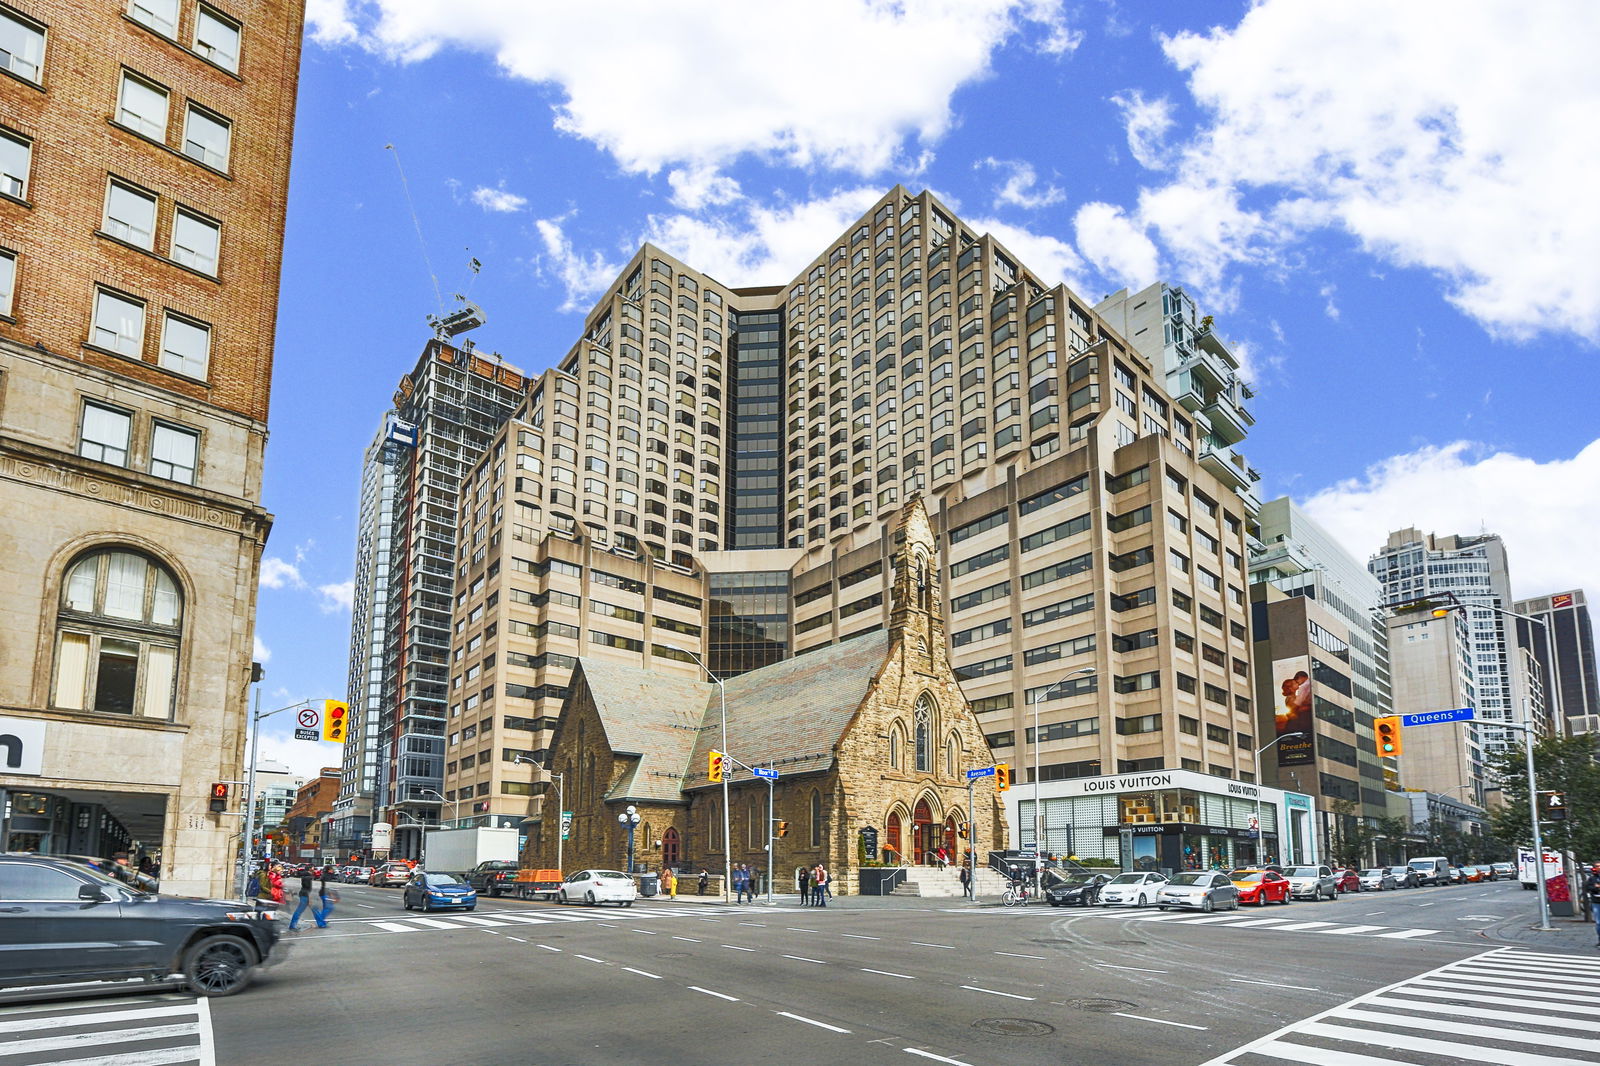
[
  {"x": 1572, "y": 677},
  {"x": 144, "y": 166},
  {"x": 1431, "y": 663}
]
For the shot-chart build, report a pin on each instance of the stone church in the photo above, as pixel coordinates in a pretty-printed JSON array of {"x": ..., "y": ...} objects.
[{"x": 871, "y": 739}]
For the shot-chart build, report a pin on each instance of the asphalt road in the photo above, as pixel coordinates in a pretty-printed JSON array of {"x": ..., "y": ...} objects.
[{"x": 867, "y": 981}]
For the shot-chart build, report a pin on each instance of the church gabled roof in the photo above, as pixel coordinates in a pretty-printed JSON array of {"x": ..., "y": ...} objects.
[{"x": 657, "y": 717}]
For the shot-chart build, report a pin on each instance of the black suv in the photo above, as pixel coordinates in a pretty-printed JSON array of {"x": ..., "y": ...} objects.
[
  {"x": 62, "y": 921},
  {"x": 494, "y": 877}
]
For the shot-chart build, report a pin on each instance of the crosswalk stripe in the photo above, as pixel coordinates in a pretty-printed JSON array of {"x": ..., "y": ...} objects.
[
  {"x": 1486, "y": 1032},
  {"x": 1298, "y": 927},
  {"x": 1500, "y": 977},
  {"x": 1407, "y": 934},
  {"x": 526, "y": 919},
  {"x": 1254, "y": 922},
  {"x": 1343, "y": 930},
  {"x": 433, "y": 923},
  {"x": 1533, "y": 993},
  {"x": 42, "y": 1044},
  {"x": 1468, "y": 1010},
  {"x": 1500, "y": 998},
  {"x": 56, "y": 1019},
  {"x": 1213, "y": 918},
  {"x": 167, "y": 1056},
  {"x": 472, "y": 919},
  {"x": 1158, "y": 917},
  {"x": 1457, "y": 1052},
  {"x": 1544, "y": 969},
  {"x": 1319, "y": 1056},
  {"x": 396, "y": 927}
]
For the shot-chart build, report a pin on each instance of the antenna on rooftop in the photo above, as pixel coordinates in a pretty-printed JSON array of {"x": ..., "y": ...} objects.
[{"x": 417, "y": 222}]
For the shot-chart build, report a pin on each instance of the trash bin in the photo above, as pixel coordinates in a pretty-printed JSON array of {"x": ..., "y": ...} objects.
[{"x": 649, "y": 884}]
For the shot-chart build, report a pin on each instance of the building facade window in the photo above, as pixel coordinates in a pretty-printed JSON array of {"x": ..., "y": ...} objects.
[
  {"x": 816, "y": 818},
  {"x": 159, "y": 15},
  {"x": 16, "y": 160},
  {"x": 117, "y": 636},
  {"x": 186, "y": 346},
  {"x": 216, "y": 37},
  {"x": 924, "y": 737},
  {"x": 105, "y": 434},
  {"x": 21, "y": 46},
  {"x": 207, "y": 138},
  {"x": 118, "y": 324},
  {"x": 8, "y": 281},
  {"x": 130, "y": 214},
  {"x": 142, "y": 107},
  {"x": 174, "y": 452},
  {"x": 195, "y": 241}
]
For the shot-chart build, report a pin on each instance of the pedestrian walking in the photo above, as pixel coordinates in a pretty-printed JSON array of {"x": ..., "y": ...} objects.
[
  {"x": 305, "y": 900},
  {"x": 669, "y": 880},
  {"x": 738, "y": 883},
  {"x": 749, "y": 879},
  {"x": 802, "y": 878},
  {"x": 1591, "y": 892},
  {"x": 819, "y": 884},
  {"x": 275, "y": 884},
  {"x": 705, "y": 879},
  {"x": 966, "y": 882},
  {"x": 327, "y": 897}
]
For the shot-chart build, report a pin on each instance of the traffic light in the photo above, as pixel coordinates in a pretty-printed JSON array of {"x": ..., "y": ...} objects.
[
  {"x": 335, "y": 720},
  {"x": 219, "y": 797},
  {"x": 783, "y": 828},
  {"x": 1002, "y": 776},
  {"x": 714, "y": 766},
  {"x": 962, "y": 831},
  {"x": 1388, "y": 735},
  {"x": 1552, "y": 807}
]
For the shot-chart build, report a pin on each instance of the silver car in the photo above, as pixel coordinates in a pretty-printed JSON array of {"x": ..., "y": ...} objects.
[
  {"x": 1132, "y": 890},
  {"x": 1204, "y": 890},
  {"x": 1377, "y": 879},
  {"x": 1311, "y": 882}
]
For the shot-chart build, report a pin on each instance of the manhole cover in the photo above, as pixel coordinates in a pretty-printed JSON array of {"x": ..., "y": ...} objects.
[
  {"x": 1100, "y": 1006},
  {"x": 1012, "y": 1027},
  {"x": 673, "y": 955}
]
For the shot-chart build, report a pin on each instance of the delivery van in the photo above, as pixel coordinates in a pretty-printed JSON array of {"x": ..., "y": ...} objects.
[{"x": 1435, "y": 869}]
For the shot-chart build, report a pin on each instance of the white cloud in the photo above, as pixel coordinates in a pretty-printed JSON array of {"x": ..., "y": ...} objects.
[
  {"x": 1329, "y": 308},
  {"x": 697, "y": 187},
  {"x": 1147, "y": 123},
  {"x": 1020, "y": 185},
  {"x": 277, "y": 573},
  {"x": 261, "y": 652},
  {"x": 304, "y": 758},
  {"x": 1119, "y": 249},
  {"x": 498, "y": 199},
  {"x": 328, "y": 22},
  {"x": 846, "y": 84},
  {"x": 337, "y": 597},
  {"x": 1541, "y": 509},
  {"x": 1051, "y": 258},
  {"x": 1439, "y": 142},
  {"x": 583, "y": 276}
]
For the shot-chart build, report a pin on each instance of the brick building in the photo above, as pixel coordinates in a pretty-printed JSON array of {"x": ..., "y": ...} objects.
[
  {"x": 144, "y": 162},
  {"x": 872, "y": 733}
]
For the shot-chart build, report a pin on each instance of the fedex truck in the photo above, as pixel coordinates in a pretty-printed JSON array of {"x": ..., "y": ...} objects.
[{"x": 1529, "y": 876}]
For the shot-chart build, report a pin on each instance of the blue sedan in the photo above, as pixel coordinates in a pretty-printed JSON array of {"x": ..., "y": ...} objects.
[{"x": 430, "y": 892}]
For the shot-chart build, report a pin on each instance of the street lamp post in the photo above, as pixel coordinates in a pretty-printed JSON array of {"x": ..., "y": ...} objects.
[
  {"x": 561, "y": 803},
  {"x": 722, "y": 706},
  {"x": 629, "y": 818},
  {"x": 250, "y": 784},
  {"x": 422, "y": 850},
  {"x": 1038, "y": 814},
  {"x": 455, "y": 804},
  {"x": 1261, "y": 833}
]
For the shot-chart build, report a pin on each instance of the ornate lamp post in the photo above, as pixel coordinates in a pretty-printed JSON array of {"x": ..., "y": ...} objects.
[{"x": 629, "y": 818}]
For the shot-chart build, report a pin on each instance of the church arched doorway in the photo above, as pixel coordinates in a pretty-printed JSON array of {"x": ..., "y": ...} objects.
[
  {"x": 670, "y": 851},
  {"x": 892, "y": 842},
  {"x": 924, "y": 832}
]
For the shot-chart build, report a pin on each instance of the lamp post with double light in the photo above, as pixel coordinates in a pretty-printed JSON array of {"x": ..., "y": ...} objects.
[
  {"x": 1261, "y": 833},
  {"x": 629, "y": 819},
  {"x": 722, "y": 706},
  {"x": 455, "y": 804},
  {"x": 1038, "y": 814}
]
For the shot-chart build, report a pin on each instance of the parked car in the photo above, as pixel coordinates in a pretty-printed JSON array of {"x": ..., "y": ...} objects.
[
  {"x": 1456, "y": 876},
  {"x": 431, "y": 892},
  {"x": 1406, "y": 876},
  {"x": 62, "y": 921},
  {"x": 389, "y": 874},
  {"x": 1474, "y": 874},
  {"x": 1078, "y": 890},
  {"x": 1504, "y": 871},
  {"x": 1260, "y": 886},
  {"x": 1489, "y": 872},
  {"x": 494, "y": 877},
  {"x": 1311, "y": 882},
  {"x": 1434, "y": 870},
  {"x": 1347, "y": 880},
  {"x": 595, "y": 887},
  {"x": 1205, "y": 890},
  {"x": 1377, "y": 879},
  {"x": 1131, "y": 890}
]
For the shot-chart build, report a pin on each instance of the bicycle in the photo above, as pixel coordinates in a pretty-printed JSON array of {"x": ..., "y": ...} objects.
[{"x": 1018, "y": 892}]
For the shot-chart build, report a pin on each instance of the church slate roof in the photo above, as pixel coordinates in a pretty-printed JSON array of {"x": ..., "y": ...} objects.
[{"x": 655, "y": 716}]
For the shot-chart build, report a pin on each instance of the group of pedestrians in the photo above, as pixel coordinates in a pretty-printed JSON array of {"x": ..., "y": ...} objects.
[
  {"x": 326, "y": 898},
  {"x": 815, "y": 885},
  {"x": 1591, "y": 892},
  {"x": 745, "y": 882}
]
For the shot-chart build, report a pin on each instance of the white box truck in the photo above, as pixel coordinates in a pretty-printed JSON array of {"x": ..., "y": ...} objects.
[
  {"x": 1529, "y": 876},
  {"x": 455, "y": 851}
]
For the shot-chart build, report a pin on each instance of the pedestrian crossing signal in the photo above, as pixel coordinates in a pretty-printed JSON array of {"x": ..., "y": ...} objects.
[
  {"x": 1387, "y": 732},
  {"x": 1002, "y": 776},
  {"x": 783, "y": 829},
  {"x": 219, "y": 797},
  {"x": 335, "y": 720},
  {"x": 1552, "y": 807},
  {"x": 714, "y": 766}
]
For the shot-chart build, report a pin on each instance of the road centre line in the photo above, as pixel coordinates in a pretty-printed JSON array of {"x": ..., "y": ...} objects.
[
  {"x": 690, "y": 939},
  {"x": 935, "y": 1058},
  {"x": 887, "y": 973},
  {"x": 1015, "y": 955},
  {"x": 1274, "y": 984},
  {"x": 1158, "y": 1021},
  {"x": 797, "y": 929},
  {"x": 758, "y": 925},
  {"x": 647, "y": 932},
  {"x": 708, "y": 919},
  {"x": 590, "y": 958},
  {"x": 992, "y": 992},
  {"x": 802, "y": 958},
  {"x": 719, "y": 995},
  {"x": 547, "y": 947},
  {"x": 1141, "y": 969},
  {"x": 860, "y": 936},
  {"x": 736, "y": 947},
  {"x": 518, "y": 939},
  {"x": 947, "y": 947},
  {"x": 811, "y": 1021},
  {"x": 643, "y": 973}
]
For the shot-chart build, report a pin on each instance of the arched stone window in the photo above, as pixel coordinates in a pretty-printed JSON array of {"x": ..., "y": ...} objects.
[
  {"x": 753, "y": 811},
  {"x": 924, "y": 736},
  {"x": 894, "y": 746},
  {"x": 952, "y": 755},
  {"x": 117, "y": 633},
  {"x": 714, "y": 825},
  {"x": 816, "y": 818}
]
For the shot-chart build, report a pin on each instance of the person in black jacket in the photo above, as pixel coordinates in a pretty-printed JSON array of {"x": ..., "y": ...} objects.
[
  {"x": 1591, "y": 892},
  {"x": 327, "y": 898},
  {"x": 305, "y": 899}
]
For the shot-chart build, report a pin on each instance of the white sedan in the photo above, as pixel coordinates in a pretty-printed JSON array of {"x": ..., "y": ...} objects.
[
  {"x": 1131, "y": 890},
  {"x": 595, "y": 887}
]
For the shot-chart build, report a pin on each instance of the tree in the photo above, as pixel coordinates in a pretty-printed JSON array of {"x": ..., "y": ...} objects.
[{"x": 1569, "y": 765}]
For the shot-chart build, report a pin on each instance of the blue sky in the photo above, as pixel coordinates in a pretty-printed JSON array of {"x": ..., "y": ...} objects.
[{"x": 1388, "y": 208}]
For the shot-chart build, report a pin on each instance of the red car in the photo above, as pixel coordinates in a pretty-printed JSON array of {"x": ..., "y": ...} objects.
[
  {"x": 1260, "y": 886},
  {"x": 1347, "y": 880}
]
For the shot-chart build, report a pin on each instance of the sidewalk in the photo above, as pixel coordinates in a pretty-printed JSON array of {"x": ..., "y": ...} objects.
[{"x": 1566, "y": 934}]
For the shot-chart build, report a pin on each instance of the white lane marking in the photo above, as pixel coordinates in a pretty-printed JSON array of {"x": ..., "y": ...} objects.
[
  {"x": 860, "y": 936},
  {"x": 1407, "y": 934},
  {"x": 590, "y": 958},
  {"x": 472, "y": 919},
  {"x": 1519, "y": 980},
  {"x": 708, "y": 919},
  {"x": 119, "y": 1036},
  {"x": 366, "y": 906},
  {"x": 1296, "y": 927},
  {"x": 719, "y": 995},
  {"x": 518, "y": 939},
  {"x": 1550, "y": 1041},
  {"x": 736, "y": 947},
  {"x": 1016, "y": 955},
  {"x": 162, "y": 1057},
  {"x": 208, "y": 1050},
  {"x": 526, "y": 919},
  {"x": 690, "y": 939},
  {"x": 647, "y": 932},
  {"x": 758, "y": 925},
  {"x": 547, "y": 947},
  {"x": 887, "y": 973},
  {"x": 1158, "y": 1021},
  {"x": 1274, "y": 984},
  {"x": 1575, "y": 968},
  {"x": 643, "y": 973},
  {"x": 935, "y": 1058},
  {"x": 395, "y": 927},
  {"x": 91, "y": 1019},
  {"x": 802, "y": 958},
  {"x": 1249, "y": 922},
  {"x": 811, "y": 1021},
  {"x": 1471, "y": 984},
  {"x": 1141, "y": 969},
  {"x": 1499, "y": 997},
  {"x": 1469, "y": 1011},
  {"x": 947, "y": 947},
  {"x": 1425, "y": 904},
  {"x": 992, "y": 992},
  {"x": 1316, "y": 1056},
  {"x": 796, "y": 929}
]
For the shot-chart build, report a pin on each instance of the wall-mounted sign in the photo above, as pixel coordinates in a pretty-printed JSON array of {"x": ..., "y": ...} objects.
[{"x": 22, "y": 746}]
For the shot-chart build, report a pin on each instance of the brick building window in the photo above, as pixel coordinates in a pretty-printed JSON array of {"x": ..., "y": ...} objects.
[
  {"x": 186, "y": 346},
  {"x": 118, "y": 324},
  {"x": 130, "y": 214},
  {"x": 207, "y": 137},
  {"x": 117, "y": 636},
  {"x": 159, "y": 15},
  {"x": 21, "y": 46},
  {"x": 16, "y": 159},
  {"x": 195, "y": 241},
  {"x": 142, "y": 107},
  {"x": 216, "y": 37},
  {"x": 105, "y": 434},
  {"x": 8, "y": 281}
]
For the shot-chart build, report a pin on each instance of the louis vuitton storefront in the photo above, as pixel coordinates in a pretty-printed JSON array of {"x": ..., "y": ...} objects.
[{"x": 1164, "y": 820}]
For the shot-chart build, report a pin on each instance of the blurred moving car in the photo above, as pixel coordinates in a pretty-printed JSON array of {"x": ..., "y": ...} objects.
[
  {"x": 1078, "y": 890},
  {"x": 389, "y": 874},
  {"x": 595, "y": 887},
  {"x": 1378, "y": 879},
  {"x": 1131, "y": 890},
  {"x": 1504, "y": 871},
  {"x": 1473, "y": 874},
  {"x": 1434, "y": 869},
  {"x": 64, "y": 922},
  {"x": 1205, "y": 890},
  {"x": 1456, "y": 876},
  {"x": 1406, "y": 876},
  {"x": 494, "y": 877},
  {"x": 1260, "y": 886},
  {"x": 1347, "y": 880},
  {"x": 1311, "y": 882},
  {"x": 431, "y": 892}
]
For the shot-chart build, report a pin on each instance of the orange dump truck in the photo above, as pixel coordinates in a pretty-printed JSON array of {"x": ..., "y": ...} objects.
[{"x": 532, "y": 884}]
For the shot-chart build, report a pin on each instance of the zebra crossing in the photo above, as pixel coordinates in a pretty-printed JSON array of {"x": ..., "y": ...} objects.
[
  {"x": 160, "y": 1030},
  {"x": 1243, "y": 920},
  {"x": 1520, "y": 1008},
  {"x": 543, "y": 916}
]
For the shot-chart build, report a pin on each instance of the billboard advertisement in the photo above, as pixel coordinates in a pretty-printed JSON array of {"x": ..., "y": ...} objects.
[{"x": 1291, "y": 679}]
